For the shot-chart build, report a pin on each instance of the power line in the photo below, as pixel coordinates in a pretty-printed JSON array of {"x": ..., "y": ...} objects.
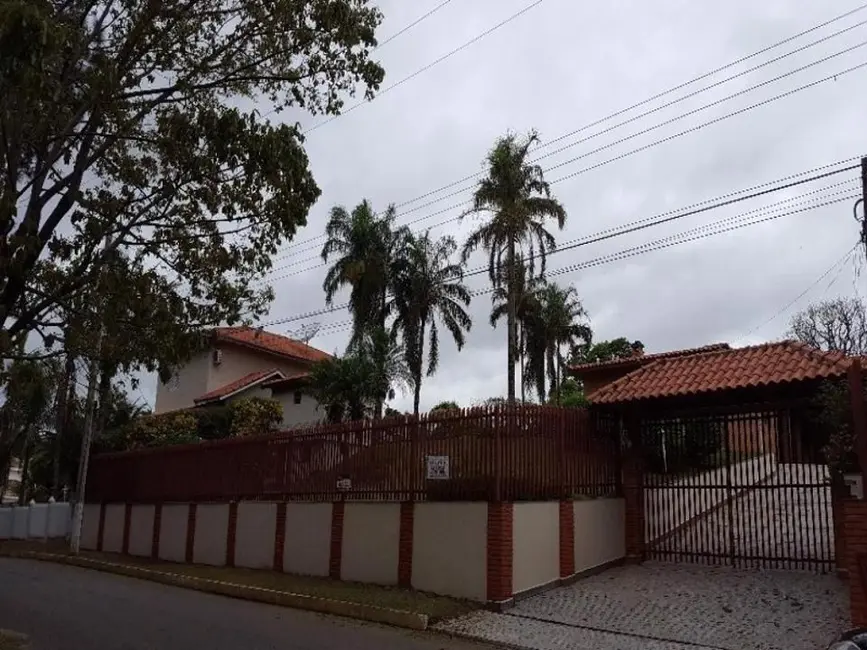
[
  {"x": 840, "y": 262},
  {"x": 664, "y": 140},
  {"x": 427, "y": 67},
  {"x": 662, "y": 94},
  {"x": 623, "y": 230},
  {"x": 412, "y": 24},
  {"x": 688, "y": 236}
]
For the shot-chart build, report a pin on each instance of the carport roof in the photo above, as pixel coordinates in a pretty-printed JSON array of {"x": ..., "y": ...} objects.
[{"x": 709, "y": 372}]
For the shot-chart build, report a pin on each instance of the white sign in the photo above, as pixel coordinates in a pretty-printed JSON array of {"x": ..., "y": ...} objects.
[
  {"x": 344, "y": 484},
  {"x": 437, "y": 467}
]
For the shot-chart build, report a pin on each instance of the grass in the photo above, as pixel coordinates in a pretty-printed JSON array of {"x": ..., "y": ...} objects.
[{"x": 436, "y": 607}]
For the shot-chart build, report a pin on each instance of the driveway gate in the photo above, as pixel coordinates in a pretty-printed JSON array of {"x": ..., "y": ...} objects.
[{"x": 748, "y": 490}]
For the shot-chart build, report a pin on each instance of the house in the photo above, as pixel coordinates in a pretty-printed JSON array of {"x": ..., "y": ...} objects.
[
  {"x": 720, "y": 376},
  {"x": 243, "y": 362}
]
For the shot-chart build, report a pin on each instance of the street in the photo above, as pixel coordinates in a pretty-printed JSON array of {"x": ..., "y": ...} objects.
[{"x": 67, "y": 608}]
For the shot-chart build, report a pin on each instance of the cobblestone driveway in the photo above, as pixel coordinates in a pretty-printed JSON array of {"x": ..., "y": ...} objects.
[{"x": 673, "y": 606}]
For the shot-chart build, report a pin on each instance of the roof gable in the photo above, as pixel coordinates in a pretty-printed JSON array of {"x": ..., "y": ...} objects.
[
  {"x": 755, "y": 366},
  {"x": 270, "y": 343},
  {"x": 239, "y": 385}
]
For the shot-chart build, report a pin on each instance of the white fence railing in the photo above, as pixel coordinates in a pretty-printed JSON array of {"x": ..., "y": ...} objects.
[{"x": 36, "y": 521}]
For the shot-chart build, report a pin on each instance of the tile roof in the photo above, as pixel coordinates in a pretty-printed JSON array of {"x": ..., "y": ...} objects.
[
  {"x": 761, "y": 365},
  {"x": 291, "y": 381},
  {"x": 245, "y": 382},
  {"x": 646, "y": 359},
  {"x": 269, "y": 342}
]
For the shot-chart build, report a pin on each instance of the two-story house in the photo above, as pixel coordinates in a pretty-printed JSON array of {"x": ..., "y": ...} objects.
[{"x": 242, "y": 362}]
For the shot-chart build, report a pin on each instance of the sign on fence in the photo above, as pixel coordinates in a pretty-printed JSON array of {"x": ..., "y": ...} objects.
[
  {"x": 344, "y": 483},
  {"x": 437, "y": 467}
]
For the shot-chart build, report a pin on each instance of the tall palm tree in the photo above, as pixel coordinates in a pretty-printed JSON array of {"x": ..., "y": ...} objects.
[
  {"x": 563, "y": 323},
  {"x": 516, "y": 194},
  {"x": 528, "y": 312},
  {"x": 389, "y": 370},
  {"x": 429, "y": 287},
  {"x": 365, "y": 243}
]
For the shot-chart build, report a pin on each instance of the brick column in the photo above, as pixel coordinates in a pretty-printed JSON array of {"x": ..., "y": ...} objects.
[
  {"x": 336, "y": 557},
  {"x": 567, "y": 539},
  {"x": 404, "y": 559},
  {"x": 280, "y": 537},
  {"x": 127, "y": 519},
  {"x": 100, "y": 534},
  {"x": 855, "y": 522},
  {"x": 633, "y": 493},
  {"x": 158, "y": 522},
  {"x": 191, "y": 533},
  {"x": 838, "y": 495},
  {"x": 499, "y": 565},
  {"x": 231, "y": 533}
]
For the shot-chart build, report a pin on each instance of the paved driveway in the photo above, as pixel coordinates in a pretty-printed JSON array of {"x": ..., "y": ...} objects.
[
  {"x": 674, "y": 607},
  {"x": 67, "y": 608}
]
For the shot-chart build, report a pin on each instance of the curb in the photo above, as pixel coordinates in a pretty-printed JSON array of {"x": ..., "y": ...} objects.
[{"x": 373, "y": 613}]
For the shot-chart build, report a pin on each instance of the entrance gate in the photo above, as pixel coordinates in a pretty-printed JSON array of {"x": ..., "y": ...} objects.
[{"x": 746, "y": 490}]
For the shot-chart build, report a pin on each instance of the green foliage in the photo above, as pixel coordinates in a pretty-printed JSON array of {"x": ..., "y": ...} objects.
[
  {"x": 213, "y": 422},
  {"x": 428, "y": 287},
  {"x": 832, "y": 414},
  {"x": 619, "y": 348},
  {"x": 175, "y": 428},
  {"x": 126, "y": 152},
  {"x": 344, "y": 386},
  {"x": 570, "y": 395},
  {"x": 675, "y": 447},
  {"x": 446, "y": 406},
  {"x": 254, "y": 416},
  {"x": 27, "y": 405},
  {"x": 519, "y": 198}
]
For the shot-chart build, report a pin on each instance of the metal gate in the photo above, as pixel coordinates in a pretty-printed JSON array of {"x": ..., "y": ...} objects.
[{"x": 747, "y": 490}]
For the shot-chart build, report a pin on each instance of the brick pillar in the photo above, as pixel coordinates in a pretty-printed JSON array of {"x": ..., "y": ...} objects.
[
  {"x": 158, "y": 522},
  {"x": 127, "y": 519},
  {"x": 855, "y": 522},
  {"x": 404, "y": 559},
  {"x": 838, "y": 494},
  {"x": 633, "y": 493},
  {"x": 100, "y": 534},
  {"x": 191, "y": 533},
  {"x": 280, "y": 537},
  {"x": 567, "y": 539},
  {"x": 337, "y": 512},
  {"x": 231, "y": 533},
  {"x": 499, "y": 569}
]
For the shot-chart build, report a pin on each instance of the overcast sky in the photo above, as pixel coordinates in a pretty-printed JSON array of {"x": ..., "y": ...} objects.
[{"x": 567, "y": 63}]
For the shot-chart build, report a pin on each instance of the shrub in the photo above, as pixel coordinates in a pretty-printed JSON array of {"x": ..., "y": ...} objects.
[
  {"x": 255, "y": 416},
  {"x": 176, "y": 428}
]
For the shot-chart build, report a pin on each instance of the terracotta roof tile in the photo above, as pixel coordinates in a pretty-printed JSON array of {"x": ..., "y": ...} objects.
[
  {"x": 271, "y": 343},
  {"x": 761, "y": 365},
  {"x": 244, "y": 382},
  {"x": 646, "y": 359}
]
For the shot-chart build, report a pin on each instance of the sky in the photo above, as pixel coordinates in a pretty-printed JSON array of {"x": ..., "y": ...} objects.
[{"x": 563, "y": 65}]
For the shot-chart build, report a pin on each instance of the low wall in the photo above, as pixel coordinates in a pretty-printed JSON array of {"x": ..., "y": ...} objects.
[
  {"x": 37, "y": 521},
  {"x": 473, "y": 550}
]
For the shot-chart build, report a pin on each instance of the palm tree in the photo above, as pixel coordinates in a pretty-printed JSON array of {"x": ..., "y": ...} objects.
[
  {"x": 528, "y": 314},
  {"x": 428, "y": 287},
  {"x": 562, "y": 315},
  {"x": 386, "y": 359},
  {"x": 365, "y": 243},
  {"x": 516, "y": 194}
]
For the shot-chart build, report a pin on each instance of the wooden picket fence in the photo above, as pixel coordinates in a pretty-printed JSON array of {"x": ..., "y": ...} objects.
[{"x": 494, "y": 453}]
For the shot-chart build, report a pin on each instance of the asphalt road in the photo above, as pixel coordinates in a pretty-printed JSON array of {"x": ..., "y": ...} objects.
[{"x": 67, "y": 608}]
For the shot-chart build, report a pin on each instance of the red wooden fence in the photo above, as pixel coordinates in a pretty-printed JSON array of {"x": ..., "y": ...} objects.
[{"x": 493, "y": 453}]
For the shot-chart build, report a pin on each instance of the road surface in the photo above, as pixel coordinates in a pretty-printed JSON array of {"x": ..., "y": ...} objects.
[{"x": 67, "y": 608}]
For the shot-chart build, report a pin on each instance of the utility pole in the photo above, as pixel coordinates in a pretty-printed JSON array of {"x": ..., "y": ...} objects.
[
  {"x": 89, "y": 423},
  {"x": 863, "y": 202}
]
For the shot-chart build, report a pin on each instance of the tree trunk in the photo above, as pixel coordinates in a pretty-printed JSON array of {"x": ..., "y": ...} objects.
[
  {"x": 418, "y": 367},
  {"x": 107, "y": 372},
  {"x": 512, "y": 322},
  {"x": 60, "y": 422},
  {"x": 521, "y": 357},
  {"x": 25, "y": 466},
  {"x": 557, "y": 372}
]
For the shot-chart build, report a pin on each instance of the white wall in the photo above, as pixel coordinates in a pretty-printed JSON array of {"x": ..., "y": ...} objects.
[
  {"x": 141, "y": 530},
  {"x": 212, "y": 525},
  {"x": 294, "y": 415},
  {"x": 600, "y": 532},
  {"x": 307, "y": 545},
  {"x": 192, "y": 382},
  {"x": 535, "y": 544},
  {"x": 371, "y": 536},
  {"x": 39, "y": 521},
  {"x": 90, "y": 526},
  {"x": 254, "y": 535},
  {"x": 449, "y": 549},
  {"x": 112, "y": 534},
  {"x": 173, "y": 532}
]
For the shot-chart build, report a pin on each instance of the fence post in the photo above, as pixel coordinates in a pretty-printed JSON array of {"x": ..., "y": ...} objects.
[
  {"x": 859, "y": 415},
  {"x": 498, "y": 449},
  {"x": 561, "y": 455},
  {"x": 633, "y": 490}
]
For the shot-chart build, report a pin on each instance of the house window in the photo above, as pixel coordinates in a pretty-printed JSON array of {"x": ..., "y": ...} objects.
[{"x": 297, "y": 396}]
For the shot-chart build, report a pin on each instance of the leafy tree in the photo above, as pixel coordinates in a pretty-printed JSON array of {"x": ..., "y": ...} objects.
[
  {"x": 619, "y": 348},
  {"x": 519, "y": 199},
  {"x": 446, "y": 406},
  {"x": 122, "y": 133},
  {"x": 839, "y": 325},
  {"x": 366, "y": 244},
  {"x": 387, "y": 365},
  {"x": 344, "y": 386},
  {"x": 569, "y": 394},
  {"x": 562, "y": 316},
  {"x": 428, "y": 287}
]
